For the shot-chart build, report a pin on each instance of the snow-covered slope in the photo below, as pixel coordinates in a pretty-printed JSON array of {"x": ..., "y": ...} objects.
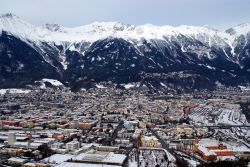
[
  {"x": 241, "y": 29},
  {"x": 100, "y": 30},
  {"x": 53, "y": 82},
  {"x": 13, "y": 24}
]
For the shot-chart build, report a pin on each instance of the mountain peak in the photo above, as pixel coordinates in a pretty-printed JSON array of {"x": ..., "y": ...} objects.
[
  {"x": 100, "y": 30},
  {"x": 246, "y": 24},
  {"x": 13, "y": 24},
  {"x": 9, "y": 16},
  {"x": 53, "y": 27},
  {"x": 210, "y": 28},
  {"x": 117, "y": 26},
  {"x": 240, "y": 29}
]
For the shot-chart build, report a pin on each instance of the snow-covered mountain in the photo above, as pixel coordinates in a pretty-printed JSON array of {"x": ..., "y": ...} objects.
[
  {"x": 101, "y": 30},
  {"x": 104, "y": 51}
]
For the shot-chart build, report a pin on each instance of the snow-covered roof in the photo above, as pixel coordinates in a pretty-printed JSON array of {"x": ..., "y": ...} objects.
[
  {"x": 71, "y": 164},
  {"x": 209, "y": 142},
  {"x": 57, "y": 158},
  {"x": 206, "y": 151},
  {"x": 150, "y": 138},
  {"x": 100, "y": 156},
  {"x": 16, "y": 159},
  {"x": 230, "y": 146}
]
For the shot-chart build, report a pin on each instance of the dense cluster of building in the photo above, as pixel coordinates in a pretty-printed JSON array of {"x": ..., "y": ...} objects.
[{"x": 112, "y": 127}]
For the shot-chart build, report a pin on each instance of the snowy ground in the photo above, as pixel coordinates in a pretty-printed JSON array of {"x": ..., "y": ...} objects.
[
  {"x": 51, "y": 81},
  {"x": 190, "y": 160},
  {"x": 153, "y": 157},
  {"x": 191, "y": 163},
  {"x": 3, "y": 91},
  {"x": 128, "y": 86},
  {"x": 99, "y": 86},
  {"x": 57, "y": 158},
  {"x": 132, "y": 163}
]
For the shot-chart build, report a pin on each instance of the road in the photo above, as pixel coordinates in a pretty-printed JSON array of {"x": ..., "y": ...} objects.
[
  {"x": 115, "y": 133},
  {"x": 163, "y": 143},
  {"x": 166, "y": 146}
]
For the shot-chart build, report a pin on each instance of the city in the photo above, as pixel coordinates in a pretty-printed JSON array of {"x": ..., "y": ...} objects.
[
  {"x": 124, "y": 83},
  {"x": 106, "y": 126}
]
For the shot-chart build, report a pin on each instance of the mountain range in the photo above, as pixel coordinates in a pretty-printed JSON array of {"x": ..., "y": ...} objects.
[{"x": 165, "y": 57}]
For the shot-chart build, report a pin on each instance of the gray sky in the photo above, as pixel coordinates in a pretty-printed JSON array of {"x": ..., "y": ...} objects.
[{"x": 220, "y": 14}]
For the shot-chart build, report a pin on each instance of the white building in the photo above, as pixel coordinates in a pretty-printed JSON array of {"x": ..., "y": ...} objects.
[{"x": 73, "y": 145}]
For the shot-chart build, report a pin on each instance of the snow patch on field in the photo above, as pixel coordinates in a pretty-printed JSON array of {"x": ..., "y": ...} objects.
[
  {"x": 99, "y": 86},
  {"x": 164, "y": 85},
  {"x": 53, "y": 82},
  {"x": 4, "y": 91},
  {"x": 128, "y": 86}
]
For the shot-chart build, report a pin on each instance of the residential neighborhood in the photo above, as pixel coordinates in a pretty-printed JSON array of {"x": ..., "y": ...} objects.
[{"x": 128, "y": 128}]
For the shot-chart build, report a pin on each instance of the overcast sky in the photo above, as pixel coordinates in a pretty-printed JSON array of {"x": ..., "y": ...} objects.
[{"x": 220, "y": 14}]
